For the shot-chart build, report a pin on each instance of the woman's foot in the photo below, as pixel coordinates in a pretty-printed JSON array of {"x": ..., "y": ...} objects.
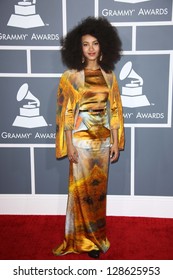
[{"x": 94, "y": 254}]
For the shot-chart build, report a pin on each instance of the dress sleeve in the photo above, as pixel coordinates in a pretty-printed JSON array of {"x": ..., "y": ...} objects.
[
  {"x": 66, "y": 103},
  {"x": 62, "y": 100},
  {"x": 115, "y": 103},
  {"x": 116, "y": 112},
  {"x": 69, "y": 115}
]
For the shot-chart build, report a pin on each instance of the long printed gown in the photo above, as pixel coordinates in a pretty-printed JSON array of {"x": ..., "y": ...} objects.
[{"x": 85, "y": 228}]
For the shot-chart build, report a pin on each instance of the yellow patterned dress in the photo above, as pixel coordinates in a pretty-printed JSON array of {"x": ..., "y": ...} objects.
[{"x": 85, "y": 228}]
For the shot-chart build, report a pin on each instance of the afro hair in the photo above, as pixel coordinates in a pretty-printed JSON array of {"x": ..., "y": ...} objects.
[{"x": 104, "y": 32}]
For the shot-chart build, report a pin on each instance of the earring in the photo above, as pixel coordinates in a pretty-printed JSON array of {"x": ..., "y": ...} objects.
[
  {"x": 83, "y": 59},
  {"x": 101, "y": 57}
]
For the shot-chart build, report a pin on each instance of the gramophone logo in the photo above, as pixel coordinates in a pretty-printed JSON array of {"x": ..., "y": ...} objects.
[
  {"x": 29, "y": 113},
  {"x": 132, "y": 95},
  {"x": 25, "y": 15},
  {"x": 132, "y": 1}
]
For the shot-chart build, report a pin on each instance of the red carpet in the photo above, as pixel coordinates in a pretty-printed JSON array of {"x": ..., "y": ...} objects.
[{"x": 33, "y": 237}]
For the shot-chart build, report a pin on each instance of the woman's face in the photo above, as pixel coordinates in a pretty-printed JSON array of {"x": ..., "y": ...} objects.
[{"x": 90, "y": 48}]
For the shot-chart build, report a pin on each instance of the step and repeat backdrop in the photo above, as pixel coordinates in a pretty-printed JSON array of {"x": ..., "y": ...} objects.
[{"x": 31, "y": 179}]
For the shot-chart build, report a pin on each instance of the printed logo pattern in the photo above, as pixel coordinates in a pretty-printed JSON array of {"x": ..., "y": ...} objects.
[
  {"x": 132, "y": 92},
  {"x": 136, "y": 10},
  {"x": 29, "y": 113},
  {"x": 25, "y": 15},
  {"x": 24, "y": 23}
]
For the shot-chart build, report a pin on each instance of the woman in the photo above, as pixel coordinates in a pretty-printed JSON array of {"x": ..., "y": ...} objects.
[{"x": 89, "y": 131}]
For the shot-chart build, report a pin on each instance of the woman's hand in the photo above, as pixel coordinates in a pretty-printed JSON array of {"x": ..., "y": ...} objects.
[
  {"x": 71, "y": 150},
  {"x": 72, "y": 153},
  {"x": 114, "y": 151}
]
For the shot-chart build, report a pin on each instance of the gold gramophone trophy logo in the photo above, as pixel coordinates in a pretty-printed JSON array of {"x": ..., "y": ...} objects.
[
  {"x": 132, "y": 95},
  {"x": 25, "y": 15},
  {"x": 29, "y": 113}
]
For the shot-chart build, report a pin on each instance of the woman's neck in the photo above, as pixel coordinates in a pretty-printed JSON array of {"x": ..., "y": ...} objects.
[{"x": 92, "y": 65}]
